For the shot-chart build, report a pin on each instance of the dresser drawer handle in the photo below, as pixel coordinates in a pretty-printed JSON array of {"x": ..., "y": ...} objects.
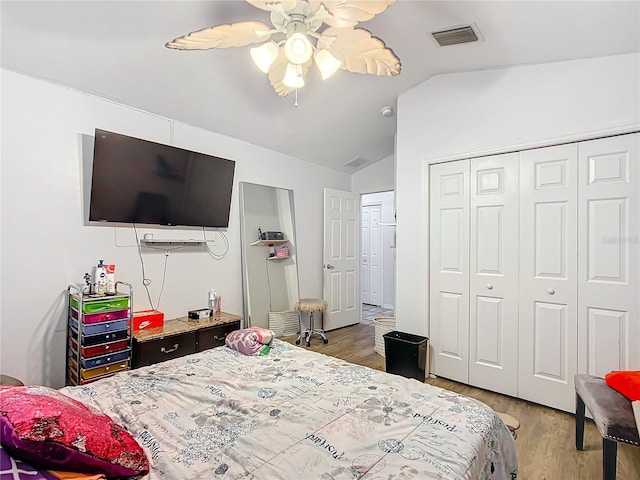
[
  {"x": 170, "y": 350},
  {"x": 215, "y": 337}
]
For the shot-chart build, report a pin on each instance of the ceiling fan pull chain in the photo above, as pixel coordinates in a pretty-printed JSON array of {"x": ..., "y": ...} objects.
[{"x": 296, "y": 104}]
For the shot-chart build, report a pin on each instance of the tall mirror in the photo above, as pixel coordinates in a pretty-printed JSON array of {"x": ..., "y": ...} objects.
[{"x": 269, "y": 265}]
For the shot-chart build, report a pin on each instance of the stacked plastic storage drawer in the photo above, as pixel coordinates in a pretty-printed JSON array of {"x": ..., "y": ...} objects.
[{"x": 99, "y": 336}]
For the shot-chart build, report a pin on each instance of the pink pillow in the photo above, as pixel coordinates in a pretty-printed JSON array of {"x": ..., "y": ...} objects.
[
  {"x": 41, "y": 426},
  {"x": 250, "y": 341}
]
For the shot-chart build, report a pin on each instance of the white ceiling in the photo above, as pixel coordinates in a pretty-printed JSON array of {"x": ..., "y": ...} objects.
[{"x": 115, "y": 49}]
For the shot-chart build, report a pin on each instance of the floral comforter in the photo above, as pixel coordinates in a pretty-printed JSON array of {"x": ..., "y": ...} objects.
[{"x": 296, "y": 414}]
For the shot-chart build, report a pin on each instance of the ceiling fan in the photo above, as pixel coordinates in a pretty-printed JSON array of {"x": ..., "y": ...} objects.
[{"x": 287, "y": 51}]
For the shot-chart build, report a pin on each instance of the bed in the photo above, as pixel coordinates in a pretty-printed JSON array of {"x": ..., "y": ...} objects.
[{"x": 297, "y": 414}]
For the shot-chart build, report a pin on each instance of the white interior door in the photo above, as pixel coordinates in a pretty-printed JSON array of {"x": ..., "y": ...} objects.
[
  {"x": 449, "y": 269},
  {"x": 609, "y": 246},
  {"x": 493, "y": 273},
  {"x": 341, "y": 282},
  {"x": 364, "y": 254},
  {"x": 547, "y": 359},
  {"x": 372, "y": 258}
]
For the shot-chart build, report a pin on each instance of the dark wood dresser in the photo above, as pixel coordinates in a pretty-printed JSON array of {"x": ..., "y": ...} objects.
[{"x": 181, "y": 336}]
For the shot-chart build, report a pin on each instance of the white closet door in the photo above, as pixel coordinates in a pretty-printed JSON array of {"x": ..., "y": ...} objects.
[
  {"x": 548, "y": 276},
  {"x": 375, "y": 256},
  {"x": 609, "y": 255},
  {"x": 364, "y": 259},
  {"x": 371, "y": 265},
  {"x": 493, "y": 316},
  {"x": 449, "y": 269}
]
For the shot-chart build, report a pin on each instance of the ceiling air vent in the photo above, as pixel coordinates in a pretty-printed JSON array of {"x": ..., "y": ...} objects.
[
  {"x": 356, "y": 162},
  {"x": 455, "y": 36}
]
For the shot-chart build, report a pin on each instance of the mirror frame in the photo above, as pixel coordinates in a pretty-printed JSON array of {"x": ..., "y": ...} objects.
[{"x": 248, "y": 239}]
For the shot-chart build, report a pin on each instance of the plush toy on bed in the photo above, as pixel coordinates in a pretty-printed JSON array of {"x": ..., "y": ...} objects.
[{"x": 250, "y": 341}]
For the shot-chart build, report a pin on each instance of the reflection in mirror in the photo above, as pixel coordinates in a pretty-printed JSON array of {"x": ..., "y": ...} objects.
[{"x": 269, "y": 272}]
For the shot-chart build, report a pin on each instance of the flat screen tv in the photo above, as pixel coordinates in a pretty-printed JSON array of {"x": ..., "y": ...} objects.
[{"x": 138, "y": 181}]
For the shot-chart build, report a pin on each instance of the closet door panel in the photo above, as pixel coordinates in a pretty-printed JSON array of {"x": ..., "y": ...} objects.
[
  {"x": 609, "y": 267},
  {"x": 493, "y": 341},
  {"x": 449, "y": 269},
  {"x": 547, "y": 359},
  {"x": 609, "y": 332},
  {"x": 550, "y": 342}
]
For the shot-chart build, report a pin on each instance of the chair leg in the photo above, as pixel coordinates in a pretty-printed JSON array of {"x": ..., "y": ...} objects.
[
  {"x": 310, "y": 328},
  {"x": 579, "y": 423},
  {"x": 609, "y": 459}
]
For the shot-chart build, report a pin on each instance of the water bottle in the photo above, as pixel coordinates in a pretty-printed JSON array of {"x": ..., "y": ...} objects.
[{"x": 101, "y": 279}]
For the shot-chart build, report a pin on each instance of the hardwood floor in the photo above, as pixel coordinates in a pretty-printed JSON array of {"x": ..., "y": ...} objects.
[{"x": 546, "y": 439}]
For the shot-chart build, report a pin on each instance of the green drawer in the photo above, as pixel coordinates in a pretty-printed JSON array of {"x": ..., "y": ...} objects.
[{"x": 102, "y": 305}]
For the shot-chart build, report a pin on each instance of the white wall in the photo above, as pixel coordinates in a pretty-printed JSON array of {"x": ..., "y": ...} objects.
[
  {"x": 46, "y": 244},
  {"x": 479, "y": 113},
  {"x": 379, "y": 177},
  {"x": 387, "y": 215}
]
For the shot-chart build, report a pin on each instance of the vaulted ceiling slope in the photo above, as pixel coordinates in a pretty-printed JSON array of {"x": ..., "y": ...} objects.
[{"x": 116, "y": 50}]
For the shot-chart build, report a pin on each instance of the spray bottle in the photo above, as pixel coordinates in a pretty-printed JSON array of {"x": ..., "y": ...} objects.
[{"x": 212, "y": 300}]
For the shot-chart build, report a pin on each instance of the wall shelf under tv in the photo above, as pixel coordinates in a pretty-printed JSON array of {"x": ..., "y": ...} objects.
[{"x": 165, "y": 242}]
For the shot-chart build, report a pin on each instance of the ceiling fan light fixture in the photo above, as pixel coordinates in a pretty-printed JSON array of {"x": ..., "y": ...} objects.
[
  {"x": 298, "y": 48},
  {"x": 264, "y": 55},
  {"x": 326, "y": 30},
  {"x": 293, "y": 76},
  {"x": 326, "y": 63}
]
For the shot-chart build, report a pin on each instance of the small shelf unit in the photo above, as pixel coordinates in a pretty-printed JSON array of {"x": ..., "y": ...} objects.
[
  {"x": 271, "y": 244},
  {"x": 99, "y": 340},
  {"x": 276, "y": 257}
]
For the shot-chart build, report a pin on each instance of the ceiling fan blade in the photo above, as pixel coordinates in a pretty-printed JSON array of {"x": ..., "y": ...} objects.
[
  {"x": 270, "y": 4},
  {"x": 347, "y": 13},
  {"x": 223, "y": 36},
  {"x": 278, "y": 70},
  {"x": 359, "y": 51},
  {"x": 276, "y": 74}
]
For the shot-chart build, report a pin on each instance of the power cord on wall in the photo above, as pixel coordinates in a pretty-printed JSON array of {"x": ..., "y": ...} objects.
[
  {"x": 147, "y": 281},
  {"x": 216, "y": 256},
  {"x": 266, "y": 266}
]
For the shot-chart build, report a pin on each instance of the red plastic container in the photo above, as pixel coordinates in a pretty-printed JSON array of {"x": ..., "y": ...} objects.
[{"x": 145, "y": 319}]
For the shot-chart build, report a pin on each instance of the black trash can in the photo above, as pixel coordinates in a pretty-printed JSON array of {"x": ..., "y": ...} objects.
[{"x": 406, "y": 354}]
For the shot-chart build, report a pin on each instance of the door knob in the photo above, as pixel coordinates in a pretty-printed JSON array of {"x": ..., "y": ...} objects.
[
  {"x": 489, "y": 286},
  {"x": 328, "y": 266},
  {"x": 551, "y": 291}
]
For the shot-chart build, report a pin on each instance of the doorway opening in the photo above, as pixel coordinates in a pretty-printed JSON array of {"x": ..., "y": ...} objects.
[{"x": 377, "y": 255}]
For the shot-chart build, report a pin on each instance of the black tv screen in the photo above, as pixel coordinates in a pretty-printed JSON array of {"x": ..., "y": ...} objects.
[{"x": 138, "y": 181}]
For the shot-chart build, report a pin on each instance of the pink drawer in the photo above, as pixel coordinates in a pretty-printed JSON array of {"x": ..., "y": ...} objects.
[{"x": 102, "y": 317}]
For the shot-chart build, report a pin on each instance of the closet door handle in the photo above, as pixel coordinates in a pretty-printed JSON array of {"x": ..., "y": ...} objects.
[
  {"x": 328, "y": 266},
  {"x": 489, "y": 286},
  {"x": 551, "y": 291}
]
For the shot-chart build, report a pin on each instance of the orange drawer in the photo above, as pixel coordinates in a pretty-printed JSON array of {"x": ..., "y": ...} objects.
[{"x": 104, "y": 370}]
